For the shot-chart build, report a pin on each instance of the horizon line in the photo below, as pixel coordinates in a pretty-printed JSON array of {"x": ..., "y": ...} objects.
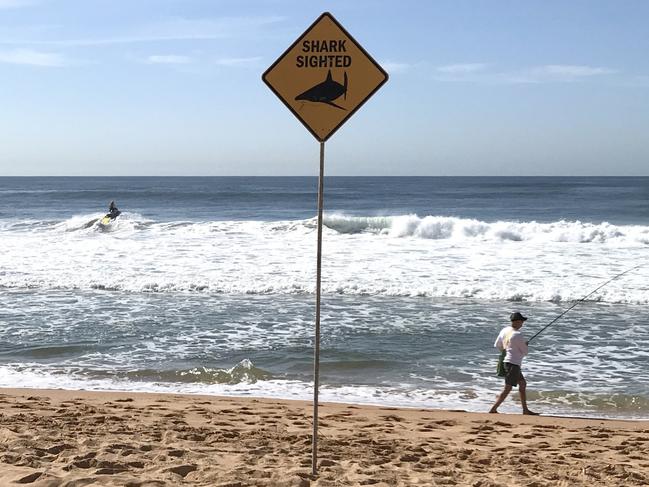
[{"x": 326, "y": 176}]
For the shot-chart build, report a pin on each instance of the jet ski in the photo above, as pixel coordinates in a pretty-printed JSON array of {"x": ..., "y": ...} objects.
[
  {"x": 107, "y": 220},
  {"x": 111, "y": 216}
]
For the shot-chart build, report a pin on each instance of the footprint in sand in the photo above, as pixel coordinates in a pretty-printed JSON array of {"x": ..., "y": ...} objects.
[
  {"x": 545, "y": 427},
  {"x": 392, "y": 417},
  {"x": 409, "y": 457},
  {"x": 500, "y": 423},
  {"x": 29, "y": 479},
  {"x": 369, "y": 482},
  {"x": 542, "y": 445},
  {"x": 446, "y": 422}
]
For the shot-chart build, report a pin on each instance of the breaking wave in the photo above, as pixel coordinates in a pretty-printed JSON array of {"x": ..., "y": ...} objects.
[
  {"x": 441, "y": 227},
  {"x": 407, "y": 255},
  {"x": 400, "y": 226},
  {"x": 243, "y": 372}
]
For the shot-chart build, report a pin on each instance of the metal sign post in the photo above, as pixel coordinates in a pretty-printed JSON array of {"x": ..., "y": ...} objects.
[
  {"x": 323, "y": 78},
  {"x": 316, "y": 346}
]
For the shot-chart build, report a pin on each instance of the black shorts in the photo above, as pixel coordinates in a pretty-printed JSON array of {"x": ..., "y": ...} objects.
[{"x": 513, "y": 374}]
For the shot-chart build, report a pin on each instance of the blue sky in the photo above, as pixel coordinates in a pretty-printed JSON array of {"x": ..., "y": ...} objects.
[{"x": 173, "y": 87}]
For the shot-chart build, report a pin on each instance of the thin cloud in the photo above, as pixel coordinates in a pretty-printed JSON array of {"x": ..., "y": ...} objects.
[
  {"x": 548, "y": 73},
  {"x": 466, "y": 68},
  {"x": 6, "y": 4},
  {"x": 569, "y": 71},
  {"x": 395, "y": 68},
  {"x": 171, "y": 30},
  {"x": 31, "y": 57},
  {"x": 555, "y": 73},
  {"x": 168, "y": 59},
  {"x": 241, "y": 62}
]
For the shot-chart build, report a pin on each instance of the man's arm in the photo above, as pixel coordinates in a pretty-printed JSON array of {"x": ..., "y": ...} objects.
[{"x": 499, "y": 343}]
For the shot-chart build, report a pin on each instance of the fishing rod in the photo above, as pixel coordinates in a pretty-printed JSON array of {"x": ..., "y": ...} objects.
[{"x": 584, "y": 299}]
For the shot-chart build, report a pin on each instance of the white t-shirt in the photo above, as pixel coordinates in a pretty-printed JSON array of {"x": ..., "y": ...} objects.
[{"x": 513, "y": 342}]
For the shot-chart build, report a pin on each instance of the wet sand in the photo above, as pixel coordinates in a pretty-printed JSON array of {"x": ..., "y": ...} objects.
[{"x": 76, "y": 438}]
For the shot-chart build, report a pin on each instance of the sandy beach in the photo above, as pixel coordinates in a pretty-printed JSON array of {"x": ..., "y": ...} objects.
[{"x": 77, "y": 438}]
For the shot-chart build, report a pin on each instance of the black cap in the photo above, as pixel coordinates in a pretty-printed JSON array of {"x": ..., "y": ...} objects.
[{"x": 517, "y": 316}]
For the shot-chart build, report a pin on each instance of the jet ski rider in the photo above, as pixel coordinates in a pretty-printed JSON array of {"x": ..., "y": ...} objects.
[{"x": 113, "y": 212}]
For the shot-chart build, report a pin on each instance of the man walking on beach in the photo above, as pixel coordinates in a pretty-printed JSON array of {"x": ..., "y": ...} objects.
[{"x": 512, "y": 341}]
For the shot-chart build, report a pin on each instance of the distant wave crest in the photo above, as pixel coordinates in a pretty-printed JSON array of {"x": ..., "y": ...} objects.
[
  {"x": 399, "y": 226},
  {"x": 442, "y": 227}
]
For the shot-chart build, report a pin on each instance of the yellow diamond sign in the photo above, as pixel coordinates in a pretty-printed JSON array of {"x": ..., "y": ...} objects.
[{"x": 324, "y": 77}]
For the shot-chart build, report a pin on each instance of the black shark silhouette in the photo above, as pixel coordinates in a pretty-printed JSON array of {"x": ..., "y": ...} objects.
[{"x": 326, "y": 92}]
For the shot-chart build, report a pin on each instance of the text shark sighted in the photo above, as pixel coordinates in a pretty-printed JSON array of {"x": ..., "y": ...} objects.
[{"x": 332, "y": 59}]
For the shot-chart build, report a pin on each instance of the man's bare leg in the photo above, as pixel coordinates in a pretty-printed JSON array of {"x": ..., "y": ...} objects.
[
  {"x": 522, "y": 390},
  {"x": 503, "y": 395}
]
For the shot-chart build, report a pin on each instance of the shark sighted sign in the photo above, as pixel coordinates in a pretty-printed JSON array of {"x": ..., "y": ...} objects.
[{"x": 324, "y": 77}]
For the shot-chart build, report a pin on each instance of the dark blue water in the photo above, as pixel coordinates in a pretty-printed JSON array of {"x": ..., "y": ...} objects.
[{"x": 544, "y": 199}]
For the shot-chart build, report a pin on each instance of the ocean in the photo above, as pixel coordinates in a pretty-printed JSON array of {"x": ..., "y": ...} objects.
[{"x": 206, "y": 285}]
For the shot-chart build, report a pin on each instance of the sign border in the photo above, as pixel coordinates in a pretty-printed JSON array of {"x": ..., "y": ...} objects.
[{"x": 285, "y": 53}]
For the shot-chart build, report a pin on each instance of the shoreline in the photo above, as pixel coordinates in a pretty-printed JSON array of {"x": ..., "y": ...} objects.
[
  {"x": 510, "y": 407},
  {"x": 67, "y": 437}
]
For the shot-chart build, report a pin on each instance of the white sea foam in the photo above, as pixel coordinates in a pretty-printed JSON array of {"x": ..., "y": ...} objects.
[
  {"x": 440, "y": 227},
  {"x": 476, "y": 398},
  {"x": 36, "y": 377},
  {"x": 407, "y": 255}
]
